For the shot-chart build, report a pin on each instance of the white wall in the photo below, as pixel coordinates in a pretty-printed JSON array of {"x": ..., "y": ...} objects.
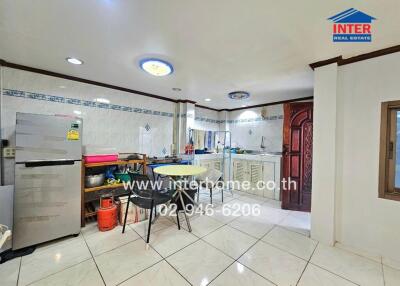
[
  {"x": 324, "y": 160},
  {"x": 206, "y": 119},
  {"x": 362, "y": 220},
  {"x": 248, "y": 127},
  {"x": 124, "y": 130}
]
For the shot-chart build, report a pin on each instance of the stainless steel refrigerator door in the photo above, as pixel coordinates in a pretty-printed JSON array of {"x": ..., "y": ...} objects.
[
  {"x": 47, "y": 203},
  {"x": 47, "y": 137}
]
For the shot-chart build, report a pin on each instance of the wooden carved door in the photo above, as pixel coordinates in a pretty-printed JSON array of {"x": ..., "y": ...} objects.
[{"x": 297, "y": 156}]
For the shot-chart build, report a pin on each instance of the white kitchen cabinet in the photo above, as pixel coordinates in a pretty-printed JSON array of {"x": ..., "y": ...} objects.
[
  {"x": 263, "y": 177},
  {"x": 255, "y": 176},
  {"x": 250, "y": 171},
  {"x": 252, "y": 168}
]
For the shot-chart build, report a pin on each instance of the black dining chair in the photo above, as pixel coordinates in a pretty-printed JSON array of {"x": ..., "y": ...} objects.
[{"x": 148, "y": 198}]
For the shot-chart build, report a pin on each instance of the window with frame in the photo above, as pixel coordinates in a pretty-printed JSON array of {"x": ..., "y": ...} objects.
[{"x": 389, "y": 165}]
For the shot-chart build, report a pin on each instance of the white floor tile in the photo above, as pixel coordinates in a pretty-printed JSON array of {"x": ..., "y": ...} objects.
[
  {"x": 239, "y": 275},
  {"x": 170, "y": 240},
  {"x": 291, "y": 242},
  {"x": 123, "y": 262},
  {"x": 315, "y": 276},
  {"x": 161, "y": 274},
  {"x": 252, "y": 226},
  {"x": 239, "y": 206},
  {"x": 274, "y": 264},
  {"x": 52, "y": 259},
  {"x": 273, "y": 203},
  {"x": 224, "y": 214},
  {"x": 9, "y": 272},
  {"x": 252, "y": 199},
  {"x": 90, "y": 228},
  {"x": 391, "y": 275},
  {"x": 353, "y": 267},
  {"x": 272, "y": 215},
  {"x": 230, "y": 241},
  {"x": 101, "y": 242},
  {"x": 82, "y": 274},
  {"x": 298, "y": 223},
  {"x": 203, "y": 225},
  {"x": 199, "y": 263},
  {"x": 161, "y": 223}
]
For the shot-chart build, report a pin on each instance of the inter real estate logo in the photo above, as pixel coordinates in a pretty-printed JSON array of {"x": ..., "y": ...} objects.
[{"x": 352, "y": 26}]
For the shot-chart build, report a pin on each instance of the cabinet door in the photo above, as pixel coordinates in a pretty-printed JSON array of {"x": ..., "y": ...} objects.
[
  {"x": 217, "y": 165},
  {"x": 206, "y": 164},
  {"x": 255, "y": 172},
  {"x": 269, "y": 176},
  {"x": 239, "y": 172}
]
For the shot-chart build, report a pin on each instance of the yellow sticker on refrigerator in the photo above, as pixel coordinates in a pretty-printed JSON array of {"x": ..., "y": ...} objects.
[{"x": 73, "y": 135}]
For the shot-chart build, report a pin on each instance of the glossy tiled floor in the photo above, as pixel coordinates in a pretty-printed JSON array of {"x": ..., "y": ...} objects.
[{"x": 273, "y": 248}]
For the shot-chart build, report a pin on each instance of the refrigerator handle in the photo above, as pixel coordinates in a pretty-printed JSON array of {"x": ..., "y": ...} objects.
[{"x": 48, "y": 163}]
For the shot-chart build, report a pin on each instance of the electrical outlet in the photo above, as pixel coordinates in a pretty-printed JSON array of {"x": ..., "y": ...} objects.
[{"x": 9, "y": 152}]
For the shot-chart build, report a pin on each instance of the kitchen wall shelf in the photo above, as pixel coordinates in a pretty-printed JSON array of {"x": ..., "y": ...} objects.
[
  {"x": 89, "y": 195},
  {"x": 105, "y": 187}
]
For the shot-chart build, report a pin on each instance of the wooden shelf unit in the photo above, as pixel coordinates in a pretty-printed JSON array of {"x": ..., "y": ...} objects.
[{"x": 85, "y": 191}]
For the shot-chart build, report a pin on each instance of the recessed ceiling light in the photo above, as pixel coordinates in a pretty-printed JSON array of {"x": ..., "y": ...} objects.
[
  {"x": 238, "y": 95},
  {"x": 207, "y": 99},
  {"x": 176, "y": 89},
  {"x": 102, "y": 100},
  {"x": 62, "y": 86},
  {"x": 77, "y": 112},
  {"x": 156, "y": 67},
  {"x": 244, "y": 105},
  {"x": 74, "y": 61}
]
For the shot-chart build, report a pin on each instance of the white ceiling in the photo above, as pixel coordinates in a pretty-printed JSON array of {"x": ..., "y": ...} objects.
[{"x": 216, "y": 46}]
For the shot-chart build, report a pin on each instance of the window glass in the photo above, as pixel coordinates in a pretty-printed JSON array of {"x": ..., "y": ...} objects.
[{"x": 397, "y": 150}]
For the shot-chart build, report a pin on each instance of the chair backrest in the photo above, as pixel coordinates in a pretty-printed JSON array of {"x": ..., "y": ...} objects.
[
  {"x": 211, "y": 175},
  {"x": 141, "y": 185}
]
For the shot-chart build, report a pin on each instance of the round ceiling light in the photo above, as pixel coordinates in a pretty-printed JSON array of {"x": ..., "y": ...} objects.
[
  {"x": 238, "y": 95},
  {"x": 207, "y": 99},
  {"x": 156, "y": 67},
  {"x": 74, "y": 61}
]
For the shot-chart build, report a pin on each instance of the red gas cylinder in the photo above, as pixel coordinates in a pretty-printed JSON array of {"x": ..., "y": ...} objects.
[{"x": 107, "y": 213}]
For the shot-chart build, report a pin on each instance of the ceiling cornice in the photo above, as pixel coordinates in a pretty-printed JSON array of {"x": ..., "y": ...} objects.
[
  {"x": 106, "y": 85},
  {"x": 78, "y": 79},
  {"x": 341, "y": 62}
]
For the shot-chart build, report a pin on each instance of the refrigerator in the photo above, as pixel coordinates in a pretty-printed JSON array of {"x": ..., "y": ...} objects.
[{"x": 47, "y": 196}]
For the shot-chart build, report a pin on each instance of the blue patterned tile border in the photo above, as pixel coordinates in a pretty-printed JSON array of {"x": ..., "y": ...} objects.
[
  {"x": 86, "y": 103},
  {"x": 236, "y": 121},
  {"x": 255, "y": 119},
  {"x": 116, "y": 107}
]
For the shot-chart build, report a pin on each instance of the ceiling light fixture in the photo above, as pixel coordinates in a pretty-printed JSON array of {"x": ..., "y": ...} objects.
[
  {"x": 244, "y": 105},
  {"x": 74, "y": 61},
  {"x": 156, "y": 67},
  {"x": 238, "y": 95},
  {"x": 77, "y": 112},
  {"x": 207, "y": 99}
]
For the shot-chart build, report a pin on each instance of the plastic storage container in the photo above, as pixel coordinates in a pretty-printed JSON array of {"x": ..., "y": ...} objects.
[{"x": 100, "y": 158}]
